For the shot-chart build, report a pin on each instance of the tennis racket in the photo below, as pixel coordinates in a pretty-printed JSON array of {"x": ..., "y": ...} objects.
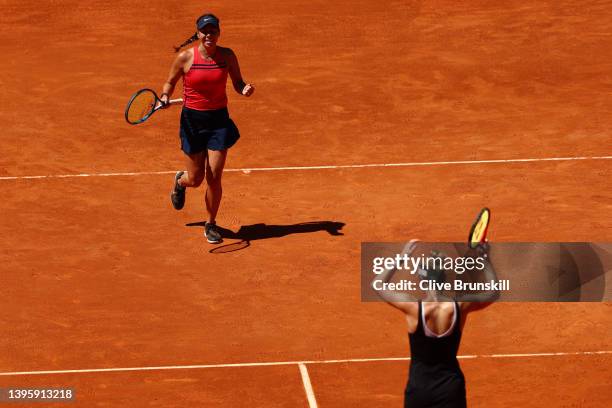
[
  {"x": 143, "y": 104},
  {"x": 478, "y": 232}
]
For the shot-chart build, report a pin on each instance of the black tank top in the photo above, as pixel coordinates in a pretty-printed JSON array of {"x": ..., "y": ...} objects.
[{"x": 435, "y": 377}]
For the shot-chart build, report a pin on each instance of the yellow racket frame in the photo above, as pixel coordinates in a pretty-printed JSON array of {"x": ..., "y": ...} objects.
[{"x": 478, "y": 232}]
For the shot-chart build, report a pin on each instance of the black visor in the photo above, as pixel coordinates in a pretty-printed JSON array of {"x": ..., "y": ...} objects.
[{"x": 206, "y": 20}]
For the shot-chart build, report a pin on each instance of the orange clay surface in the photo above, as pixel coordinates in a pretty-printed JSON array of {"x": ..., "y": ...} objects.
[{"x": 101, "y": 272}]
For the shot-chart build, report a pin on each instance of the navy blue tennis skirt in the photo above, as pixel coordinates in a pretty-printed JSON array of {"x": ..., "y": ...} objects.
[{"x": 210, "y": 129}]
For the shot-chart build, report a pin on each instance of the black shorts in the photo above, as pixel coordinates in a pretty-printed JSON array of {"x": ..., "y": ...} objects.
[{"x": 210, "y": 129}]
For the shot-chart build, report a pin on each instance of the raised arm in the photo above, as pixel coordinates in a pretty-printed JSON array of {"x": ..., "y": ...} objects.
[
  {"x": 402, "y": 301},
  {"x": 477, "y": 301},
  {"x": 236, "y": 76}
]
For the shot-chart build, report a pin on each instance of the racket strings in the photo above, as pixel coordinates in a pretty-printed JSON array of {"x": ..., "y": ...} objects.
[
  {"x": 141, "y": 107},
  {"x": 479, "y": 229}
]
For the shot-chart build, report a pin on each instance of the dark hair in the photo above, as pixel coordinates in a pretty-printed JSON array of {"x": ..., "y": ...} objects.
[
  {"x": 194, "y": 37},
  {"x": 438, "y": 275},
  {"x": 188, "y": 41},
  {"x": 433, "y": 272}
]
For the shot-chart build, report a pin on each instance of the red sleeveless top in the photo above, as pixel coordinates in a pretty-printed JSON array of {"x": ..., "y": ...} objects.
[{"x": 204, "y": 84}]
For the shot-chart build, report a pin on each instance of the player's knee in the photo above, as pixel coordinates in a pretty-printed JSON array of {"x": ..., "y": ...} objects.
[
  {"x": 213, "y": 180},
  {"x": 194, "y": 180},
  {"x": 197, "y": 181}
]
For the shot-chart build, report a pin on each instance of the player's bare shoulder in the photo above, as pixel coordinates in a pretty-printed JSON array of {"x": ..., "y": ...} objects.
[
  {"x": 186, "y": 55},
  {"x": 225, "y": 51},
  {"x": 228, "y": 54},
  {"x": 184, "y": 59}
]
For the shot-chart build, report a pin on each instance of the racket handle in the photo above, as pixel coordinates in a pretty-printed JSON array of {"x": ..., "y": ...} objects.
[{"x": 170, "y": 102}]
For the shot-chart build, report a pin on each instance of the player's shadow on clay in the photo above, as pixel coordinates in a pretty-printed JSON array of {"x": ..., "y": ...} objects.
[{"x": 248, "y": 233}]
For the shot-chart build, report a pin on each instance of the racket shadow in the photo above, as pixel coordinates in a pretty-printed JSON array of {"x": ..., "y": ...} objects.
[{"x": 254, "y": 232}]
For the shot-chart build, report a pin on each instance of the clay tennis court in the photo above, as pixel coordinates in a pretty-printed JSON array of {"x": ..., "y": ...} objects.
[{"x": 106, "y": 289}]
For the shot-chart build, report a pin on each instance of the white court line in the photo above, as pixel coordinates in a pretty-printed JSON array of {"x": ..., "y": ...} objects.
[
  {"x": 324, "y": 167},
  {"x": 312, "y": 401},
  {"x": 284, "y": 363}
]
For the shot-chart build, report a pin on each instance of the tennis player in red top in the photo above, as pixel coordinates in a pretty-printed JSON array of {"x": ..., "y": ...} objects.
[{"x": 206, "y": 130}]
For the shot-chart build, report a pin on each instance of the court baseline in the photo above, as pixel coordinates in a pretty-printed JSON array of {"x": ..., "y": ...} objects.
[
  {"x": 321, "y": 167},
  {"x": 304, "y": 362}
]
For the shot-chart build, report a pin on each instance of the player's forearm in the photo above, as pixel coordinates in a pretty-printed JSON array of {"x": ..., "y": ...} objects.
[
  {"x": 386, "y": 275},
  {"x": 490, "y": 275},
  {"x": 486, "y": 296},
  {"x": 168, "y": 88},
  {"x": 239, "y": 85}
]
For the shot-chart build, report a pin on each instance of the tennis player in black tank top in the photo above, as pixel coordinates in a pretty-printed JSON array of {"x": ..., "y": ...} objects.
[{"x": 435, "y": 377}]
